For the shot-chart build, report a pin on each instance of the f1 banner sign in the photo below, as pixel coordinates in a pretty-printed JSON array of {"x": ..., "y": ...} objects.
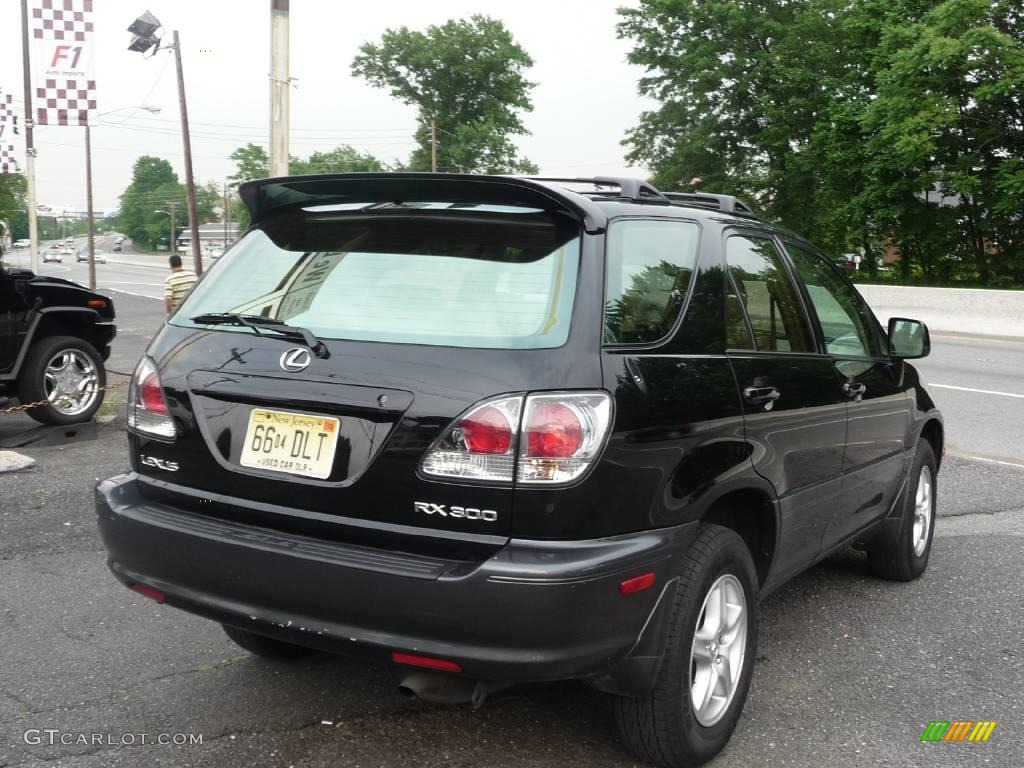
[{"x": 63, "y": 81}]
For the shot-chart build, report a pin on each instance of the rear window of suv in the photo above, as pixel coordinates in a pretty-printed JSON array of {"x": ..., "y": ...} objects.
[{"x": 437, "y": 274}]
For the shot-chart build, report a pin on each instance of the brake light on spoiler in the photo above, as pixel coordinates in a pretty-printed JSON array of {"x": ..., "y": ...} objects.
[{"x": 539, "y": 439}]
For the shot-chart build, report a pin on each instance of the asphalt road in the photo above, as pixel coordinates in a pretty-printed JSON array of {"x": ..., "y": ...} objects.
[{"x": 849, "y": 670}]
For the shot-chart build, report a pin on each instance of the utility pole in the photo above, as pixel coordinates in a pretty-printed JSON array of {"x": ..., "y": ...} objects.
[
  {"x": 190, "y": 184},
  {"x": 88, "y": 197},
  {"x": 433, "y": 146},
  {"x": 30, "y": 150},
  {"x": 279, "y": 84}
]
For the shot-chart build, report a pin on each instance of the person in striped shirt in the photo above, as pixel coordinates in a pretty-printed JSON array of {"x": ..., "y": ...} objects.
[{"x": 177, "y": 284}]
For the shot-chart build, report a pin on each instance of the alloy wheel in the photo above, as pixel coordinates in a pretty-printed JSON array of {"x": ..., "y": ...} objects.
[{"x": 718, "y": 650}]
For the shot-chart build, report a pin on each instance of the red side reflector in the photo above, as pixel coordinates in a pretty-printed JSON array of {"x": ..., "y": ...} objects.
[
  {"x": 425, "y": 661},
  {"x": 637, "y": 584},
  {"x": 97, "y": 303},
  {"x": 149, "y": 592}
]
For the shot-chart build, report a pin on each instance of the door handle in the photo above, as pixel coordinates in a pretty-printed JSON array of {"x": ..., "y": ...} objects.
[
  {"x": 855, "y": 390},
  {"x": 763, "y": 396}
]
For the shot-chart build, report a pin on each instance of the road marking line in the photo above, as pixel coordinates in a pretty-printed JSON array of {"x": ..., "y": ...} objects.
[
  {"x": 979, "y": 391},
  {"x": 1014, "y": 340},
  {"x": 982, "y": 458},
  {"x": 132, "y": 293}
]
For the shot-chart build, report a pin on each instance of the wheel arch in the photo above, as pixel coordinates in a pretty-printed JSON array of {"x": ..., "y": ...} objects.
[
  {"x": 56, "y": 321},
  {"x": 934, "y": 432},
  {"x": 752, "y": 511}
]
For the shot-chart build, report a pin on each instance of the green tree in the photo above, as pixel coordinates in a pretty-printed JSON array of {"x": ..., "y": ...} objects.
[
  {"x": 12, "y": 206},
  {"x": 342, "y": 159},
  {"x": 469, "y": 77},
  {"x": 154, "y": 185},
  {"x": 251, "y": 162},
  {"x": 862, "y": 123}
]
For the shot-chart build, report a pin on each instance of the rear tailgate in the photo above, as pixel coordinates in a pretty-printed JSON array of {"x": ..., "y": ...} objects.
[{"x": 425, "y": 309}]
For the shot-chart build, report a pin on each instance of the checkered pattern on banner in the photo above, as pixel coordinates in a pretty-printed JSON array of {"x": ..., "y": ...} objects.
[
  {"x": 63, "y": 20},
  {"x": 7, "y": 123},
  {"x": 60, "y": 98}
]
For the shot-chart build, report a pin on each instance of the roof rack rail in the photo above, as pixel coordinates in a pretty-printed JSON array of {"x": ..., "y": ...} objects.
[
  {"x": 634, "y": 190},
  {"x": 723, "y": 203}
]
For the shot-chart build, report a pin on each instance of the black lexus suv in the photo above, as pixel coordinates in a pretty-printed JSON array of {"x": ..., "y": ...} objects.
[
  {"x": 491, "y": 429},
  {"x": 54, "y": 337}
]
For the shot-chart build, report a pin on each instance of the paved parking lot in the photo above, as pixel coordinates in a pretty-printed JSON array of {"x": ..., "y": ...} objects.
[{"x": 849, "y": 670}]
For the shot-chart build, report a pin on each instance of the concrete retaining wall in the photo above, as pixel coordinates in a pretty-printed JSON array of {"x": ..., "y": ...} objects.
[{"x": 961, "y": 310}]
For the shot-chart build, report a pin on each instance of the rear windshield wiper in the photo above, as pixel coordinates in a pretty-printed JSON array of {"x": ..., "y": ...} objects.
[{"x": 257, "y": 322}]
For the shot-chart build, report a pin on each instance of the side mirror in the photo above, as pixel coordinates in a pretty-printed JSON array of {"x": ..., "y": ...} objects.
[{"x": 908, "y": 339}]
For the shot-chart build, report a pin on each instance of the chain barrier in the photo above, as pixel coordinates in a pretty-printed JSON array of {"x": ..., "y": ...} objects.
[{"x": 29, "y": 406}]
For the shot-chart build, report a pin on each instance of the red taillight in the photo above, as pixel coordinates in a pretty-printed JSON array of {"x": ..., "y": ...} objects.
[
  {"x": 154, "y": 594},
  {"x": 151, "y": 394},
  {"x": 428, "y": 662},
  {"x": 637, "y": 584},
  {"x": 553, "y": 431},
  {"x": 148, "y": 413},
  {"x": 487, "y": 430}
]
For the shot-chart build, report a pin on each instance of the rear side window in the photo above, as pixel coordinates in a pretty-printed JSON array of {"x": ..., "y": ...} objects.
[
  {"x": 765, "y": 295},
  {"x": 464, "y": 276},
  {"x": 648, "y": 272}
]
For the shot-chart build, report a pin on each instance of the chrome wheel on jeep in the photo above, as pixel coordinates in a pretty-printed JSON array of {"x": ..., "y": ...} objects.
[
  {"x": 71, "y": 382},
  {"x": 65, "y": 376}
]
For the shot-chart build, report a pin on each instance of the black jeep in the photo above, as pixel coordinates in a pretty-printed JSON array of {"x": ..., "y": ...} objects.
[
  {"x": 54, "y": 337},
  {"x": 490, "y": 429}
]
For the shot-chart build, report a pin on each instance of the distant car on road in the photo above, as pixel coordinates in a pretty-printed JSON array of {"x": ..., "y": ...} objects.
[
  {"x": 214, "y": 253},
  {"x": 22, "y": 243},
  {"x": 99, "y": 256},
  {"x": 117, "y": 247},
  {"x": 53, "y": 253},
  {"x": 119, "y": 239}
]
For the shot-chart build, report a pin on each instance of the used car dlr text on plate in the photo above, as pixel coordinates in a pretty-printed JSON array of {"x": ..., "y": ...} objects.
[{"x": 490, "y": 430}]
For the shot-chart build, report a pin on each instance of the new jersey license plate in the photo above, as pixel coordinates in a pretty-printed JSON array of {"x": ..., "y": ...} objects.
[{"x": 296, "y": 443}]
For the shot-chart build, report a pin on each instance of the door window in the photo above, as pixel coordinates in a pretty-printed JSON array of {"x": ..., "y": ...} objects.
[
  {"x": 845, "y": 321},
  {"x": 765, "y": 295}
]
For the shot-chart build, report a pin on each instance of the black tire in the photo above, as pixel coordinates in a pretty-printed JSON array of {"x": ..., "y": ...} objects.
[
  {"x": 267, "y": 647},
  {"x": 662, "y": 727},
  {"x": 893, "y": 555},
  {"x": 31, "y": 384}
]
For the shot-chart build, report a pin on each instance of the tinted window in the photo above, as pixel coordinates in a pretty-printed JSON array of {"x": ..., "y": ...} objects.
[
  {"x": 649, "y": 268},
  {"x": 453, "y": 277},
  {"x": 845, "y": 323},
  {"x": 767, "y": 296}
]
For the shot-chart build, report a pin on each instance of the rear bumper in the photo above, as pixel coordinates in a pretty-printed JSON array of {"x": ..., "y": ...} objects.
[{"x": 534, "y": 611}]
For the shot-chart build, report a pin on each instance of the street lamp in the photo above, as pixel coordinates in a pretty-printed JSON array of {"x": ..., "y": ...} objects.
[
  {"x": 174, "y": 235},
  {"x": 146, "y": 36}
]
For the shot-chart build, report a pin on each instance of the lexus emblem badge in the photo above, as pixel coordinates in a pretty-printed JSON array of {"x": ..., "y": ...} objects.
[{"x": 296, "y": 359}]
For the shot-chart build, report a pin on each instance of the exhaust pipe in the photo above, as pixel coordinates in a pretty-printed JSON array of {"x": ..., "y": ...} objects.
[{"x": 447, "y": 689}]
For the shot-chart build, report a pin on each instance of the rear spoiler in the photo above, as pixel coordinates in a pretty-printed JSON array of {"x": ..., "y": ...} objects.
[{"x": 266, "y": 197}]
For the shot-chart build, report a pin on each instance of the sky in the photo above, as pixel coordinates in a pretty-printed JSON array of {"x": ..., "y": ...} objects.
[{"x": 585, "y": 100}]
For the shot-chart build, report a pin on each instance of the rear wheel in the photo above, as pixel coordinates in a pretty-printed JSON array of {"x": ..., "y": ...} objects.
[
  {"x": 903, "y": 555},
  {"x": 267, "y": 647},
  {"x": 698, "y": 697},
  {"x": 68, "y": 374}
]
